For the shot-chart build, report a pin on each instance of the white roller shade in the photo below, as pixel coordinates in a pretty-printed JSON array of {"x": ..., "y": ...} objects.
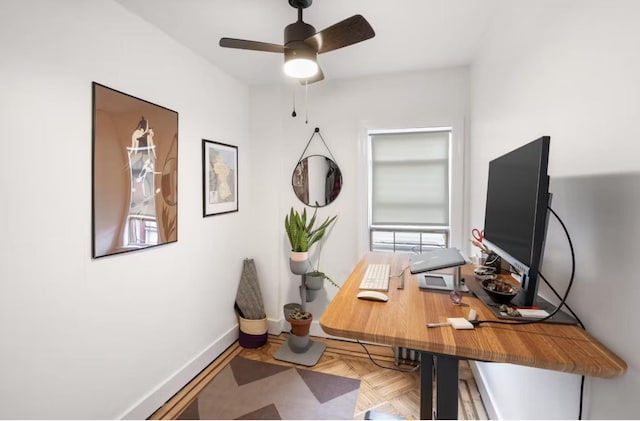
[{"x": 410, "y": 178}]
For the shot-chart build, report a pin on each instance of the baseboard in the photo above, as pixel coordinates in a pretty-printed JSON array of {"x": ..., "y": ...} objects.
[
  {"x": 164, "y": 391},
  {"x": 487, "y": 399},
  {"x": 276, "y": 327}
]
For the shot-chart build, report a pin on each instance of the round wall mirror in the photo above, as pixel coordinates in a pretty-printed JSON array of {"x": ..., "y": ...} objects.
[{"x": 316, "y": 181}]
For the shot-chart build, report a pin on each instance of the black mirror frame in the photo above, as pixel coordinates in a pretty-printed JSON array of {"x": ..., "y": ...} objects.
[{"x": 300, "y": 182}]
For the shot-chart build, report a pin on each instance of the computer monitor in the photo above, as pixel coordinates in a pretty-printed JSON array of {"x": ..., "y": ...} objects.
[{"x": 516, "y": 212}]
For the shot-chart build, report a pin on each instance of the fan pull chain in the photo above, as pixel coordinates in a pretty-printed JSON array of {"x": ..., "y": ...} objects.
[
  {"x": 306, "y": 101},
  {"x": 293, "y": 113}
]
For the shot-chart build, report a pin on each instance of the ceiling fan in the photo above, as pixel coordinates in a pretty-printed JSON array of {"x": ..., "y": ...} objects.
[{"x": 302, "y": 43}]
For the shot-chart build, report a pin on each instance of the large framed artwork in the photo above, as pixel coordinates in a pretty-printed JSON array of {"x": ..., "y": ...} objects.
[
  {"x": 219, "y": 178},
  {"x": 135, "y": 173}
]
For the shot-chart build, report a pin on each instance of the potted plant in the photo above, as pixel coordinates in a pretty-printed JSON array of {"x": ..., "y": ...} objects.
[
  {"x": 300, "y": 322},
  {"x": 314, "y": 280},
  {"x": 302, "y": 234}
]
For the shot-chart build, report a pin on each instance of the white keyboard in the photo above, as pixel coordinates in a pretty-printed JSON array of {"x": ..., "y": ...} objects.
[{"x": 376, "y": 277}]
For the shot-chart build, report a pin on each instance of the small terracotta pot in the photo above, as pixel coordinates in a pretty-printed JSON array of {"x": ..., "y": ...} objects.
[{"x": 300, "y": 327}]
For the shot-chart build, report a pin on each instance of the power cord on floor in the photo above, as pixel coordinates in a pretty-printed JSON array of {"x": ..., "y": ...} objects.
[{"x": 413, "y": 370}]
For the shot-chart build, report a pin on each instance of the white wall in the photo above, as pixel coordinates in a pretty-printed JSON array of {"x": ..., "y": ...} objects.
[
  {"x": 343, "y": 110},
  {"x": 114, "y": 337},
  {"x": 569, "y": 69}
]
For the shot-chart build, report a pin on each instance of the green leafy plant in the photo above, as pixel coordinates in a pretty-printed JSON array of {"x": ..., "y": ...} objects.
[
  {"x": 331, "y": 281},
  {"x": 303, "y": 234}
]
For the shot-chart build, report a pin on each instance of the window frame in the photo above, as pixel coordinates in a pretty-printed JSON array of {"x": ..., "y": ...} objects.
[{"x": 451, "y": 232}]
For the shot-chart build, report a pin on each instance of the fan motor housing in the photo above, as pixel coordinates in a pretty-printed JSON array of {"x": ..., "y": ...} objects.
[
  {"x": 298, "y": 31},
  {"x": 300, "y": 3}
]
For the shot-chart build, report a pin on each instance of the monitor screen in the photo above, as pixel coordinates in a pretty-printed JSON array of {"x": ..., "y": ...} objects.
[{"x": 516, "y": 210}]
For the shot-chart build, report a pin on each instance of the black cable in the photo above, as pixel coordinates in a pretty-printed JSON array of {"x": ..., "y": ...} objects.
[
  {"x": 581, "y": 397},
  {"x": 562, "y": 303},
  {"x": 575, "y": 316},
  {"x": 413, "y": 370}
]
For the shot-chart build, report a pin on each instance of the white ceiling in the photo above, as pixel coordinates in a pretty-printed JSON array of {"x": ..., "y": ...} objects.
[{"x": 410, "y": 34}]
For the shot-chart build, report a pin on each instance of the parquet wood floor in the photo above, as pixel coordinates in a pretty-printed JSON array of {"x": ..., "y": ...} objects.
[{"x": 382, "y": 390}]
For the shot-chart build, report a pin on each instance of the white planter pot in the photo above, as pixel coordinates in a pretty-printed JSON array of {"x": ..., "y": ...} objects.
[
  {"x": 299, "y": 262},
  {"x": 299, "y": 256}
]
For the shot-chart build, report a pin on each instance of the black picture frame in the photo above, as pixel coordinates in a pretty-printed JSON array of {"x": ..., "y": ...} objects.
[
  {"x": 134, "y": 173},
  {"x": 219, "y": 178}
]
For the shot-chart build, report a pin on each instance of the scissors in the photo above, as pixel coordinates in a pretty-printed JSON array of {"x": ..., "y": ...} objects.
[{"x": 477, "y": 234}]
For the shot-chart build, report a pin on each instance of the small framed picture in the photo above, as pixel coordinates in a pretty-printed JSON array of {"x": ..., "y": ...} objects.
[{"x": 219, "y": 178}]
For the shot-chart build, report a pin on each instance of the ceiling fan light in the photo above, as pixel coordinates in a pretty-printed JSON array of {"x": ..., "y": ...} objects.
[{"x": 300, "y": 68}]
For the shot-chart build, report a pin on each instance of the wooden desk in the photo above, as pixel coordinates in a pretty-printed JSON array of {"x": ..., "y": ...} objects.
[{"x": 402, "y": 321}]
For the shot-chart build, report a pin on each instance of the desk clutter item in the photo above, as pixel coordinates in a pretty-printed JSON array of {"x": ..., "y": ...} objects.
[
  {"x": 459, "y": 323},
  {"x": 500, "y": 291},
  {"x": 485, "y": 272},
  {"x": 376, "y": 277},
  {"x": 500, "y": 310}
]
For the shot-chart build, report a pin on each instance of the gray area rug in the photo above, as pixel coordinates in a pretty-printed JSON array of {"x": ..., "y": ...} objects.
[{"x": 247, "y": 389}]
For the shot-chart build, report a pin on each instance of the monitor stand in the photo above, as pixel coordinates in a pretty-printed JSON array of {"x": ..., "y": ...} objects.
[
  {"x": 560, "y": 317},
  {"x": 442, "y": 281}
]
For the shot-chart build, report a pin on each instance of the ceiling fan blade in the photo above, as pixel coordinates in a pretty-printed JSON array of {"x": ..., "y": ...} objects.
[
  {"x": 315, "y": 78},
  {"x": 243, "y": 44},
  {"x": 347, "y": 32}
]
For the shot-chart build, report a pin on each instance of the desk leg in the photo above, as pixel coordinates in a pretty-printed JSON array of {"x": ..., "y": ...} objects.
[
  {"x": 426, "y": 386},
  {"x": 447, "y": 387}
]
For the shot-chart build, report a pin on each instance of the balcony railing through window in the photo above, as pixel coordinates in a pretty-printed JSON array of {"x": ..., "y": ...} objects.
[{"x": 407, "y": 239}]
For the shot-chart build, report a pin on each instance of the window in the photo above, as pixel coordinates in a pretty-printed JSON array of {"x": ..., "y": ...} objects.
[{"x": 409, "y": 189}]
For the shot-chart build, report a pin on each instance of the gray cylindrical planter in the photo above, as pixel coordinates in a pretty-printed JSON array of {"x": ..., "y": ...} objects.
[
  {"x": 310, "y": 294},
  {"x": 290, "y": 308},
  {"x": 299, "y": 267},
  {"x": 314, "y": 280},
  {"x": 299, "y": 344}
]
